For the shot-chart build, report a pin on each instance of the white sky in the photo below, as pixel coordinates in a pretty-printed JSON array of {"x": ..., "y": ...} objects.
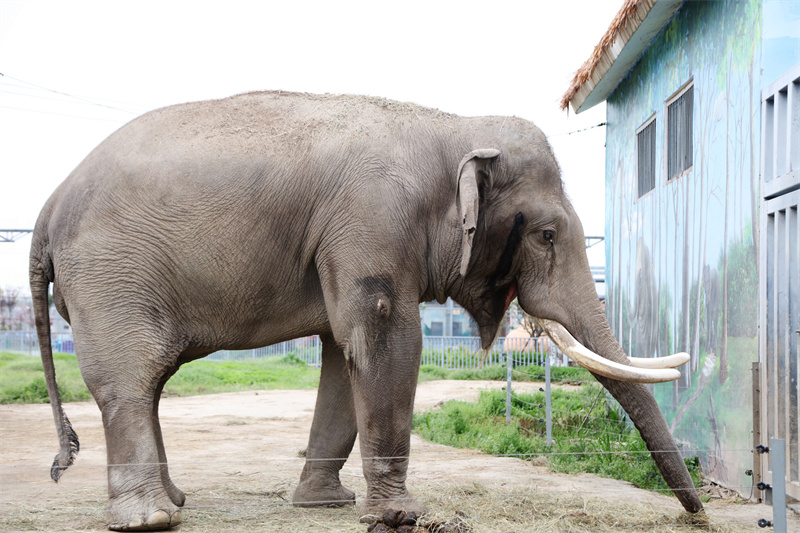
[{"x": 465, "y": 57}]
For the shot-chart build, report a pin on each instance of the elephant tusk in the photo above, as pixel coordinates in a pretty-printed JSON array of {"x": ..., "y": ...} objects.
[
  {"x": 600, "y": 365},
  {"x": 668, "y": 361}
]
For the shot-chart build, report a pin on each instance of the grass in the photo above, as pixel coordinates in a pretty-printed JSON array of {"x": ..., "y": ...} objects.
[
  {"x": 585, "y": 422},
  {"x": 22, "y": 378},
  {"x": 558, "y": 374},
  {"x": 207, "y": 377}
]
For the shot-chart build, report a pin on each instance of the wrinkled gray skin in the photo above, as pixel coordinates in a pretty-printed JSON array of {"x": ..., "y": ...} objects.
[{"x": 242, "y": 222}]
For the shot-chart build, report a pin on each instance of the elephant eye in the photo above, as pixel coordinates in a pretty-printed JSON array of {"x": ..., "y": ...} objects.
[{"x": 549, "y": 235}]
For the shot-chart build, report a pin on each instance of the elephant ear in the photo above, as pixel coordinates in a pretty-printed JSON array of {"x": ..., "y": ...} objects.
[{"x": 471, "y": 170}]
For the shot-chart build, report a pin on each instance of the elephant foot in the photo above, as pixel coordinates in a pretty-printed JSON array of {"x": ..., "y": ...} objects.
[
  {"x": 373, "y": 508},
  {"x": 176, "y": 495},
  {"x": 329, "y": 495},
  {"x": 123, "y": 514}
]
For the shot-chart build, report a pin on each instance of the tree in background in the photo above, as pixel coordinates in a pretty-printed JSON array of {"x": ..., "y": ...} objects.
[{"x": 517, "y": 317}]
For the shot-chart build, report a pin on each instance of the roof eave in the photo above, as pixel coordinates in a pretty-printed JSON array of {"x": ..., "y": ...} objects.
[{"x": 617, "y": 60}]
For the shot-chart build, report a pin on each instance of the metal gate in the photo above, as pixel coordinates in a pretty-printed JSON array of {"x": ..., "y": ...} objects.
[{"x": 779, "y": 272}]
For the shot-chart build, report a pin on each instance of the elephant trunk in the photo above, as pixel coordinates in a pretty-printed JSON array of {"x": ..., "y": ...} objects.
[{"x": 644, "y": 412}]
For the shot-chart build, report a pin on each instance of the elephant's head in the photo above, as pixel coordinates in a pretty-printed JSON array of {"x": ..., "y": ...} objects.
[{"x": 521, "y": 238}]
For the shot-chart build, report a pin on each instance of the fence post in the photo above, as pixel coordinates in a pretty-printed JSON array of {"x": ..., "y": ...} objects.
[
  {"x": 549, "y": 411},
  {"x": 757, "y": 468},
  {"x": 508, "y": 389},
  {"x": 777, "y": 450}
]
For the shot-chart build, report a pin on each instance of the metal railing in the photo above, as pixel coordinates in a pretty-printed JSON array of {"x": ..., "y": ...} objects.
[
  {"x": 446, "y": 352},
  {"x": 465, "y": 352},
  {"x": 308, "y": 349},
  {"x": 28, "y": 342}
]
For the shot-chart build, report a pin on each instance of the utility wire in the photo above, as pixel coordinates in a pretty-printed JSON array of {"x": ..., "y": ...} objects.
[
  {"x": 61, "y": 114},
  {"x": 79, "y": 98},
  {"x": 601, "y": 124},
  {"x": 515, "y": 396},
  {"x": 416, "y": 454},
  {"x": 43, "y": 97}
]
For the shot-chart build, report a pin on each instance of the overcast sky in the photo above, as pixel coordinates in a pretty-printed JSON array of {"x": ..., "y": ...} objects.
[{"x": 113, "y": 60}]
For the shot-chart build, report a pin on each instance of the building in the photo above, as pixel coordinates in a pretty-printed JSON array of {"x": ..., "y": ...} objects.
[
  {"x": 446, "y": 320},
  {"x": 702, "y": 192}
]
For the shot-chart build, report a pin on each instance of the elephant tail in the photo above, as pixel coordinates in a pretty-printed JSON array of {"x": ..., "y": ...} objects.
[{"x": 41, "y": 274}]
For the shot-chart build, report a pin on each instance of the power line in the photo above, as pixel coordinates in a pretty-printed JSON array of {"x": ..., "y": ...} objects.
[
  {"x": 8, "y": 84},
  {"x": 42, "y": 97},
  {"x": 578, "y": 131},
  {"x": 61, "y": 114},
  {"x": 79, "y": 98}
]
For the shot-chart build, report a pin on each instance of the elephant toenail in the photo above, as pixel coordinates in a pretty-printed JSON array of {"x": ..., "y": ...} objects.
[{"x": 159, "y": 519}]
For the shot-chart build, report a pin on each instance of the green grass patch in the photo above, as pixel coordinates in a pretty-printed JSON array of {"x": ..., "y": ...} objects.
[
  {"x": 558, "y": 374},
  {"x": 22, "y": 377},
  {"x": 208, "y": 377},
  {"x": 585, "y": 422}
]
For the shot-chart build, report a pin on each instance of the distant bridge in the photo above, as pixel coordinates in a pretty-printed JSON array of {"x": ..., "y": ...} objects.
[
  {"x": 11, "y": 235},
  {"x": 592, "y": 240}
]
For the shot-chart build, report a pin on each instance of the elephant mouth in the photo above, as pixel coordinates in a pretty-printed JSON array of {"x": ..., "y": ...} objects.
[
  {"x": 638, "y": 370},
  {"x": 512, "y": 293}
]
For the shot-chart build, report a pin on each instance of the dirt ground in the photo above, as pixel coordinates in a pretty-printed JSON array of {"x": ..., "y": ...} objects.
[{"x": 236, "y": 457}]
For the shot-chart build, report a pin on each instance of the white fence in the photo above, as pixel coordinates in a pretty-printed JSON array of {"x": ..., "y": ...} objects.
[{"x": 445, "y": 352}]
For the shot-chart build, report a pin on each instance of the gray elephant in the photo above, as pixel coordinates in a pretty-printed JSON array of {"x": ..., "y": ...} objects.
[{"x": 242, "y": 222}]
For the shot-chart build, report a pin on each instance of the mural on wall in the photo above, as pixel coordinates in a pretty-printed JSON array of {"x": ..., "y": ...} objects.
[{"x": 683, "y": 259}]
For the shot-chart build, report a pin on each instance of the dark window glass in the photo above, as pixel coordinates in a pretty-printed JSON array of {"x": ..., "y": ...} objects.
[
  {"x": 679, "y": 133},
  {"x": 646, "y": 152}
]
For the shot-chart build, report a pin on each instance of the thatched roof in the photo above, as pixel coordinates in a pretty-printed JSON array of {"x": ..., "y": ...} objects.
[{"x": 630, "y": 33}]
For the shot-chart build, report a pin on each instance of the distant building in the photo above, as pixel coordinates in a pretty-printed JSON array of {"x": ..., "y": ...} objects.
[
  {"x": 446, "y": 320},
  {"x": 702, "y": 194}
]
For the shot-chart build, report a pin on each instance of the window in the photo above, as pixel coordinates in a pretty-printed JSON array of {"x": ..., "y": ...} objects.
[
  {"x": 646, "y": 157},
  {"x": 679, "y": 132}
]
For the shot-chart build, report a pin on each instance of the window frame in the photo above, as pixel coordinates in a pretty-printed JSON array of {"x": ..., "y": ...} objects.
[
  {"x": 650, "y": 122},
  {"x": 686, "y": 87}
]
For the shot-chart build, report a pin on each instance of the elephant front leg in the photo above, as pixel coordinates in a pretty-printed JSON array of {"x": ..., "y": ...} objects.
[
  {"x": 375, "y": 320},
  {"x": 333, "y": 433},
  {"x": 384, "y": 379}
]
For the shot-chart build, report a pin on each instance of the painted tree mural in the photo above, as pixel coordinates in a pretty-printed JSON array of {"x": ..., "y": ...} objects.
[{"x": 683, "y": 258}]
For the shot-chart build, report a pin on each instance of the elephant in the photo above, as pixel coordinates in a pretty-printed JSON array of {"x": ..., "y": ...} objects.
[
  {"x": 645, "y": 311},
  {"x": 245, "y": 221}
]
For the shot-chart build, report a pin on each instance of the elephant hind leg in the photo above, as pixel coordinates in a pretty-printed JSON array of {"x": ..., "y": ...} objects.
[
  {"x": 333, "y": 433},
  {"x": 141, "y": 497},
  {"x": 175, "y": 494}
]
